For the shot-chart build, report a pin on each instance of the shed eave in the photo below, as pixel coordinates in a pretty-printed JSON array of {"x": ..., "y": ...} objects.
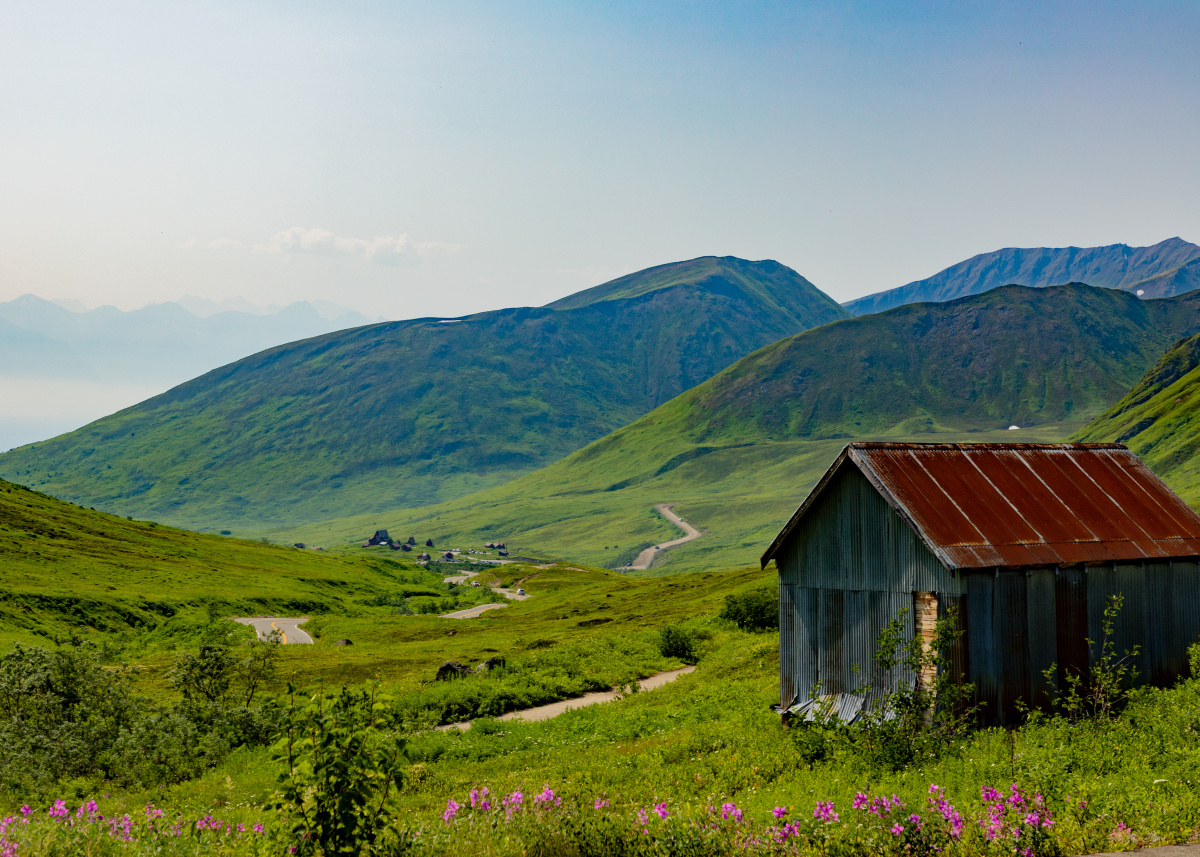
[{"x": 816, "y": 492}]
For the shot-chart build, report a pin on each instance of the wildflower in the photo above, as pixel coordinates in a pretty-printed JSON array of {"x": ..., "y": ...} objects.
[
  {"x": 861, "y": 801},
  {"x": 897, "y": 829},
  {"x": 25, "y": 810},
  {"x": 779, "y": 812},
  {"x": 59, "y": 809},
  {"x": 601, "y": 803},
  {"x": 512, "y": 803},
  {"x": 451, "y": 811},
  {"x": 730, "y": 810},
  {"x": 824, "y": 812},
  {"x": 661, "y": 809},
  {"x": 547, "y": 798}
]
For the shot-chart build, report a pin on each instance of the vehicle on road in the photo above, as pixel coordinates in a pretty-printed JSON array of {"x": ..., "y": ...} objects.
[{"x": 520, "y": 592}]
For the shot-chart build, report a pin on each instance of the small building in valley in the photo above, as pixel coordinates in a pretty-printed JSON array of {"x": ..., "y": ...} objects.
[{"x": 1026, "y": 542}]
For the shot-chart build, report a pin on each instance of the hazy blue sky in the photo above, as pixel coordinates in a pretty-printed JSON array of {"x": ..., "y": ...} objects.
[{"x": 442, "y": 158}]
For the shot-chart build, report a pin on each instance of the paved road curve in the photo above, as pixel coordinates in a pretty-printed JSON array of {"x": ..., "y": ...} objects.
[
  {"x": 646, "y": 558},
  {"x": 289, "y": 629}
]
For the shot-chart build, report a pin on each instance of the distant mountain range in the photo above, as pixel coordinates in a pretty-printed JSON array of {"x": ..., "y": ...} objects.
[
  {"x": 39, "y": 338},
  {"x": 413, "y": 412},
  {"x": 63, "y": 365},
  {"x": 738, "y": 452},
  {"x": 1168, "y": 268}
]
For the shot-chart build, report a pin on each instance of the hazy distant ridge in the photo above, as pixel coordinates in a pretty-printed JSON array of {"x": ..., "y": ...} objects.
[
  {"x": 412, "y": 412},
  {"x": 1161, "y": 270}
]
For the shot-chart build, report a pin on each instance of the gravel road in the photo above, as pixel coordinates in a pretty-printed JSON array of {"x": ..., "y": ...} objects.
[
  {"x": 553, "y": 709},
  {"x": 646, "y": 558}
]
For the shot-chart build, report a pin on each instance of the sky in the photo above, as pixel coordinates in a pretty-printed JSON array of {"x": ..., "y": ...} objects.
[{"x": 414, "y": 159}]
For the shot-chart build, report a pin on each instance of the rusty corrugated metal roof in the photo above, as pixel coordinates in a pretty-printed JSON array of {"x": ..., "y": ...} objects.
[{"x": 989, "y": 505}]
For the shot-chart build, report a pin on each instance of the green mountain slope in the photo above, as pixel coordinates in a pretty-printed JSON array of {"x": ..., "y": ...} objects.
[
  {"x": 1160, "y": 419},
  {"x": 1156, "y": 270},
  {"x": 410, "y": 413},
  {"x": 68, "y": 569},
  {"x": 738, "y": 452}
]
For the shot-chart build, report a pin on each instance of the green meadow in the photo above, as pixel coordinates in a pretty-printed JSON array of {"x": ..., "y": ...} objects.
[{"x": 738, "y": 496}]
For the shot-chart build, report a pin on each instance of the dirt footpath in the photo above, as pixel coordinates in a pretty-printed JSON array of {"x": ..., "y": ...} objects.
[{"x": 553, "y": 709}]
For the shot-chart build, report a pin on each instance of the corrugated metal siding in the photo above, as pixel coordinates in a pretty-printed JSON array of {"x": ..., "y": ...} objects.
[
  {"x": 834, "y": 642},
  {"x": 852, "y": 562},
  {"x": 854, "y": 540},
  {"x": 788, "y": 650},
  {"x": 1071, "y": 616},
  {"x": 1043, "y": 631}
]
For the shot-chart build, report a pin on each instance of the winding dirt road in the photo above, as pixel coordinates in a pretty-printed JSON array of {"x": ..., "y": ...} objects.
[
  {"x": 553, "y": 709},
  {"x": 478, "y": 610},
  {"x": 646, "y": 558}
]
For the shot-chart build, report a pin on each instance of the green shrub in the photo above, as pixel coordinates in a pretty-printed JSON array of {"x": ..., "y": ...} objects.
[
  {"x": 675, "y": 641},
  {"x": 757, "y": 610},
  {"x": 342, "y": 772}
]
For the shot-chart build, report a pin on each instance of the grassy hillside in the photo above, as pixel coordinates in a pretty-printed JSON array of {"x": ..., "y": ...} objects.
[
  {"x": 1161, "y": 270},
  {"x": 410, "y": 413},
  {"x": 72, "y": 570},
  {"x": 1160, "y": 419},
  {"x": 738, "y": 453}
]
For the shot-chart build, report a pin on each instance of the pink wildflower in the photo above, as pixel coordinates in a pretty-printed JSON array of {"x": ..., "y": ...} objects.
[
  {"x": 451, "y": 811},
  {"x": 730, "y": 810},
  {"x": 824, "y": 812},
  {"x": 779, "y": 812},
  {"x": 601, "y": 803},
  {"x": 661, "y": 809}
]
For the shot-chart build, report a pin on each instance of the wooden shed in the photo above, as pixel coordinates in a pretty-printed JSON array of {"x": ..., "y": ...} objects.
[{"x": 1027, "y": 541}]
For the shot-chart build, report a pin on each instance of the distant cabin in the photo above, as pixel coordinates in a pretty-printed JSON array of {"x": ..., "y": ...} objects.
[
  {"x": 1027, "y": 541},
  {"x": 380, "y": 538}
]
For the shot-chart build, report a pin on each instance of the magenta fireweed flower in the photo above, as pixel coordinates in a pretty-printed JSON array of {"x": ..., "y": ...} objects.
[
  {"x": 643, "y": 818},
  {"x": 897, "y": 829},
  {"x": 258, "y": 828},
  {"x": 25, "y": 810},
  {"x": 512, "y": 803},
  {"x": 547, "y": 798},
  {"x": 601, "y": 803},
  {"x": 59, "y": 809},
  {"x": 730, "y": 810},
  {"x": 451, "y": 811},
  {"x": 779, "y": 812},
  {"x": 661, "y": 809},
  {"x": 824, "y": 812}
]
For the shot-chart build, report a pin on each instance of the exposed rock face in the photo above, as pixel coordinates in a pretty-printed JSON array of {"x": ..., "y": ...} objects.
[
  {"x": 451, "y": 670},
  {"x": 343, "y": 643},
  {"x": 491, "y": 664}
]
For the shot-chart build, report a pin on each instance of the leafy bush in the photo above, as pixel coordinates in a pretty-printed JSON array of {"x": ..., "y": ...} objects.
[
  {"x": 342, "y": 773},
  {"x": 1106, "y": 689},
  {"x": 912, "y": 722},
  {"x": 757, "y": 610},
  {"x": 64, "y": 715},
  {"x": 675, "y": 641}
]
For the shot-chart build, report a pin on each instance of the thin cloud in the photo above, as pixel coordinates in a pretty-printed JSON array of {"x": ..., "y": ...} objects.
[{"x": 302, "y": 240}]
